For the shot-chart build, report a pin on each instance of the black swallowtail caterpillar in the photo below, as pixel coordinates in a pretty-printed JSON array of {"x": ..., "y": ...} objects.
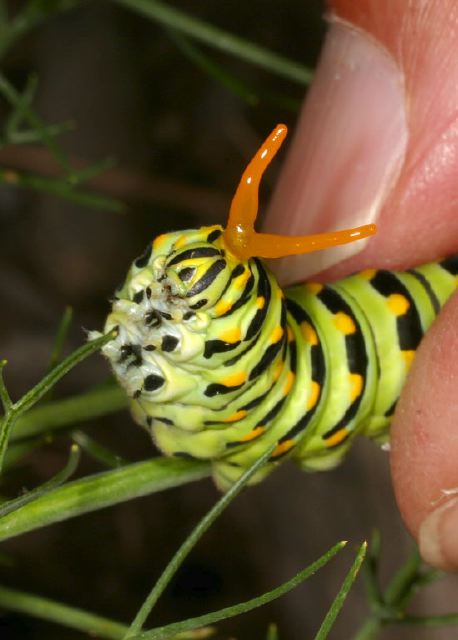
[{"x": 221, "y": 364}]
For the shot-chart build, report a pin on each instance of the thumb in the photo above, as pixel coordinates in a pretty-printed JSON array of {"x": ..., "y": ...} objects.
[{"x": 377, "y": 141}]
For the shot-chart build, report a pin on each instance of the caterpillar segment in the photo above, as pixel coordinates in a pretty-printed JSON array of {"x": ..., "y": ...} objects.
[{"x": 221, "y": 364}]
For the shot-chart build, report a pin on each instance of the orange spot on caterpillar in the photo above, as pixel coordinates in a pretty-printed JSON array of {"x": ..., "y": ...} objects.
[
  {"x": 288, "y": 383},
  {"x": 309, "y": 333},
  {"x": 238, "y": 415},
  {"x": 255, "y": 433},
  {"x": 337, "y": 437},
  {"x": 398, "y": 304},
  {"x": 282, "y": 447},
  {"x": 235, "y": 379},
  {"x": 231, "y": 335},
  {"x": 222, "y": 307},
  {"x": 276, "y": 334},
  {"x": 356, "y": 385},
  {"x": 313, "y": 287},
  {"x": 344, "y": 323},
  {"x": 159, "y": 241},
  {"x": 408, "y": 358},
  {"x": 181, "y": 241},
  {"x": 314, "y": 394},
  {"x": 367, "y": 274},
  {"x": 277, "y": 370}
]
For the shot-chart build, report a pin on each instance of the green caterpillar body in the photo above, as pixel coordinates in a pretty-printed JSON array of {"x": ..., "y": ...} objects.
[{"x": 221, "y": 364}]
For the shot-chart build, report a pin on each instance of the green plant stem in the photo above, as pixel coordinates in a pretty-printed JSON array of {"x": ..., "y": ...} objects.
[
  {"x": 90, "y": 623},
  {"x": 220, "y": 39},
  {"x": 229, "y": 80},
  {"x": 272, "y": 632},
  {"x": 92, "y": 171},
  {"x": 28, "y": 136},
  {"x": 190, "y": 543},
  {"x": 13, "y": 411},
  {"x": 34, "y": 13},
  {"x": 4, "y": 395},
  {"x": 39, "y": 390},
  {"x": 7, "y": 425},
  {"x": 370, "y": 630},
  {"x": 388, "y": 608},
  {"x": 339, "y": 600},
  {"x": 214, "y": 70},
  {"x": 64, "y": 187},
  {"x": 97, "y": 451},
  {"x": 429, "y": 621},
  {"x": 3, "y": 14},
  {"x": 373, "y": 626},
  {"x": 61, "y": 189},
  {"x": 162, "y": 633},
  {"x": 59, "y": 340},
  {"x": 23, "y": 102},
  {"x": 21, "y": 105},
  {"x": 371, "y": 572},
  {"x": 57, "y": 480},
  {"x": 62, "y": 414},
  {"x": 102, "y": 490},
  {"x": 401, "y": 586},
  {"x": 72, "y": 617},
  {"x": 61, "y": 335}
]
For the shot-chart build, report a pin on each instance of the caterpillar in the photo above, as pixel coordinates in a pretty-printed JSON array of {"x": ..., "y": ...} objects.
[{"x": 219, "y": 363}]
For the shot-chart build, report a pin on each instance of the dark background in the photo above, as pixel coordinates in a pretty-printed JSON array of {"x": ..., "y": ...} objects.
[{"x": 181, "y": 141}]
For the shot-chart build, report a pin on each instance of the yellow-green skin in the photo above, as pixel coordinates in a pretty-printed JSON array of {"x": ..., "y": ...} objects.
[{"x": 220, "y": 364}]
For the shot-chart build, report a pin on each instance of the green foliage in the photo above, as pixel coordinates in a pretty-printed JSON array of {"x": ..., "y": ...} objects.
[
  {"x": 30, "y": 422},
  {"x": 14, "y": 411},
  {"x": 389, "y": 606}
]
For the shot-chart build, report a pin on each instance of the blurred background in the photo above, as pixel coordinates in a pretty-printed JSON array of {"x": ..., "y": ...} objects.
[{"x": 180, "y": 123}]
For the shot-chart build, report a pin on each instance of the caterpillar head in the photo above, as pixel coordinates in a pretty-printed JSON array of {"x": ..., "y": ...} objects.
[{"x": 163, "y": 309}]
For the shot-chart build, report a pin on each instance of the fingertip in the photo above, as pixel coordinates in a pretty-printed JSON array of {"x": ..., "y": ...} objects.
[
  {"x": 347, "y": 150},
  {"x": 424, "y": 443},
  {"x": 438, "y": 536}
]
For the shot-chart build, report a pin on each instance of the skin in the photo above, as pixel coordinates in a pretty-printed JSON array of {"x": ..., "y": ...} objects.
[{"x": 402, "y": 173}]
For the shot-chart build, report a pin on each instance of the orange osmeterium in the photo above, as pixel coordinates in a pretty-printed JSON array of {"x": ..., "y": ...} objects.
[{"x": 240, "y": 235}]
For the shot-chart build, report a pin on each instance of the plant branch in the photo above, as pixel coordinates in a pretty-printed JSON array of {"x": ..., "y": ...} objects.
[
  {"x": 72, "y": 617},
  {"x": 62, "y": 414},
  {"x": 61, "y": 335},
  {"x": 34, "y": 13},
  {"x": 190, "y": 543},
  {"x": 102, "y": 490},
  {"x": 218, "y": 38},
  {"x": 61, "y": 189},
  {"x": 97, "y": 451},
  {"x": 28, "y": 136},
  {"x": 20, "y": 103},
  {"x": 339, "y": 600},
  {"x": 57, "y": 480},
  {"x": 13, "y": 411},
  {"x": 162, "y": 633}
]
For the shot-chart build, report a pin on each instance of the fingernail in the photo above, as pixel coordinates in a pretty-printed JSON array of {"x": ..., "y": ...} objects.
[
  {"x": 348, "y": 147},
  {"x": 438, "y": 536}
]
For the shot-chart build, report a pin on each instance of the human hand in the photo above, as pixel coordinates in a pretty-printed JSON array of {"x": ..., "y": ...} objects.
[{"x": 377, "y": 141}]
